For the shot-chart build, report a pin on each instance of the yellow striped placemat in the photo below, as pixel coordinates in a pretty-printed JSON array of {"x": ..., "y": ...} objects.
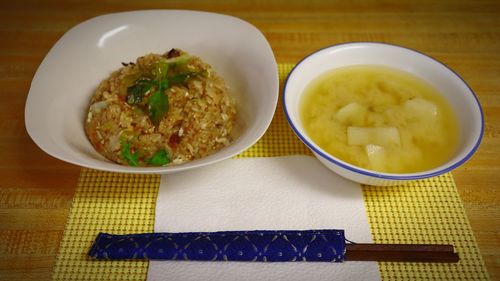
[{"x": 427, "y": 211}]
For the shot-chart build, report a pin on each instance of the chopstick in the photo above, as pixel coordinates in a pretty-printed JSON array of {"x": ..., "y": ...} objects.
[{"x": 401, "y": 253}]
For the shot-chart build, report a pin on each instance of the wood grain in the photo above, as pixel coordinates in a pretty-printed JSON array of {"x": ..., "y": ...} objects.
[{"x": 36, "y": 190}]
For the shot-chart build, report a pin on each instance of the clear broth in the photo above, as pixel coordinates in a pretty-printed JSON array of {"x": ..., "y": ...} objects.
[{"x": 340, "y": 108}]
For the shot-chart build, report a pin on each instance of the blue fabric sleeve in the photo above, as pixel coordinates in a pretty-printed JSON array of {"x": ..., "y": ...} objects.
[{"x": 257, "y": 246}]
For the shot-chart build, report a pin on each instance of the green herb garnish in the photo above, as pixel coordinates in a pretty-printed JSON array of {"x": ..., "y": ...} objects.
[
  {"x": 181, "y": 78},
  {"x": 160, "y": 158},
  {"x": 157, "y": 107},
  {"x": 160, "y": 71},
  {"x": 131, "y": 158},
  {"x": 157, "y": 102},
  {"x": 136, "y": 92}
]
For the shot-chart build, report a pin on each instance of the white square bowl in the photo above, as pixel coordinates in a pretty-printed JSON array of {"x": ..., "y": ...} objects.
[{"x": 68, "y": 76}]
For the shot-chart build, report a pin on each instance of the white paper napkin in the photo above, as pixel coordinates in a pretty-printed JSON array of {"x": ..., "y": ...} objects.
[{"x": 280, "y": 193}]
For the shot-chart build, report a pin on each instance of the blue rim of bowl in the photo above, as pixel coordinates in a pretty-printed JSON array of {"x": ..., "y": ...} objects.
[{"x": 387, "y": 176}]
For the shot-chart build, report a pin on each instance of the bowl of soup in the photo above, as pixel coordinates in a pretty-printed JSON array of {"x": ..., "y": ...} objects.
[{"x": 382, "y": 114}]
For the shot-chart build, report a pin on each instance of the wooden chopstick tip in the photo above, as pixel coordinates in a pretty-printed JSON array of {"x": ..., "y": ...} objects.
[{"x": 401, "y": 253}]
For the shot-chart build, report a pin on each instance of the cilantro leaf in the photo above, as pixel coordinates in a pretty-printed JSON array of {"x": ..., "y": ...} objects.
[
  {"x": 157, "y": 103},
  {"x": 160, "y": 158},
  {"x": 132, "y": 159},
  {"x": 163, "y": 85},
  {"x": 157, "y": 107},
  {"x": 181, "y": 77},
  {"x": 136, "y": 92}
]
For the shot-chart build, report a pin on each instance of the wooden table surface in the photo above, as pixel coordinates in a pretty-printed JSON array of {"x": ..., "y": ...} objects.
[{"x": 36, "y": 190}]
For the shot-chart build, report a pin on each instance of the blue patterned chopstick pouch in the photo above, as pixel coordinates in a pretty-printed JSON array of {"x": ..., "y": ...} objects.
[{"x": 259, "y": 246}]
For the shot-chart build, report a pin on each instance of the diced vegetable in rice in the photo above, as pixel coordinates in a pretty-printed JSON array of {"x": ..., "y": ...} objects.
[{"x": 161, "y": 110}]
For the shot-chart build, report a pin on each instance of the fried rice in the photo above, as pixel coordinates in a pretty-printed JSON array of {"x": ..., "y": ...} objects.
[{"x": 161, "y": 110}]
